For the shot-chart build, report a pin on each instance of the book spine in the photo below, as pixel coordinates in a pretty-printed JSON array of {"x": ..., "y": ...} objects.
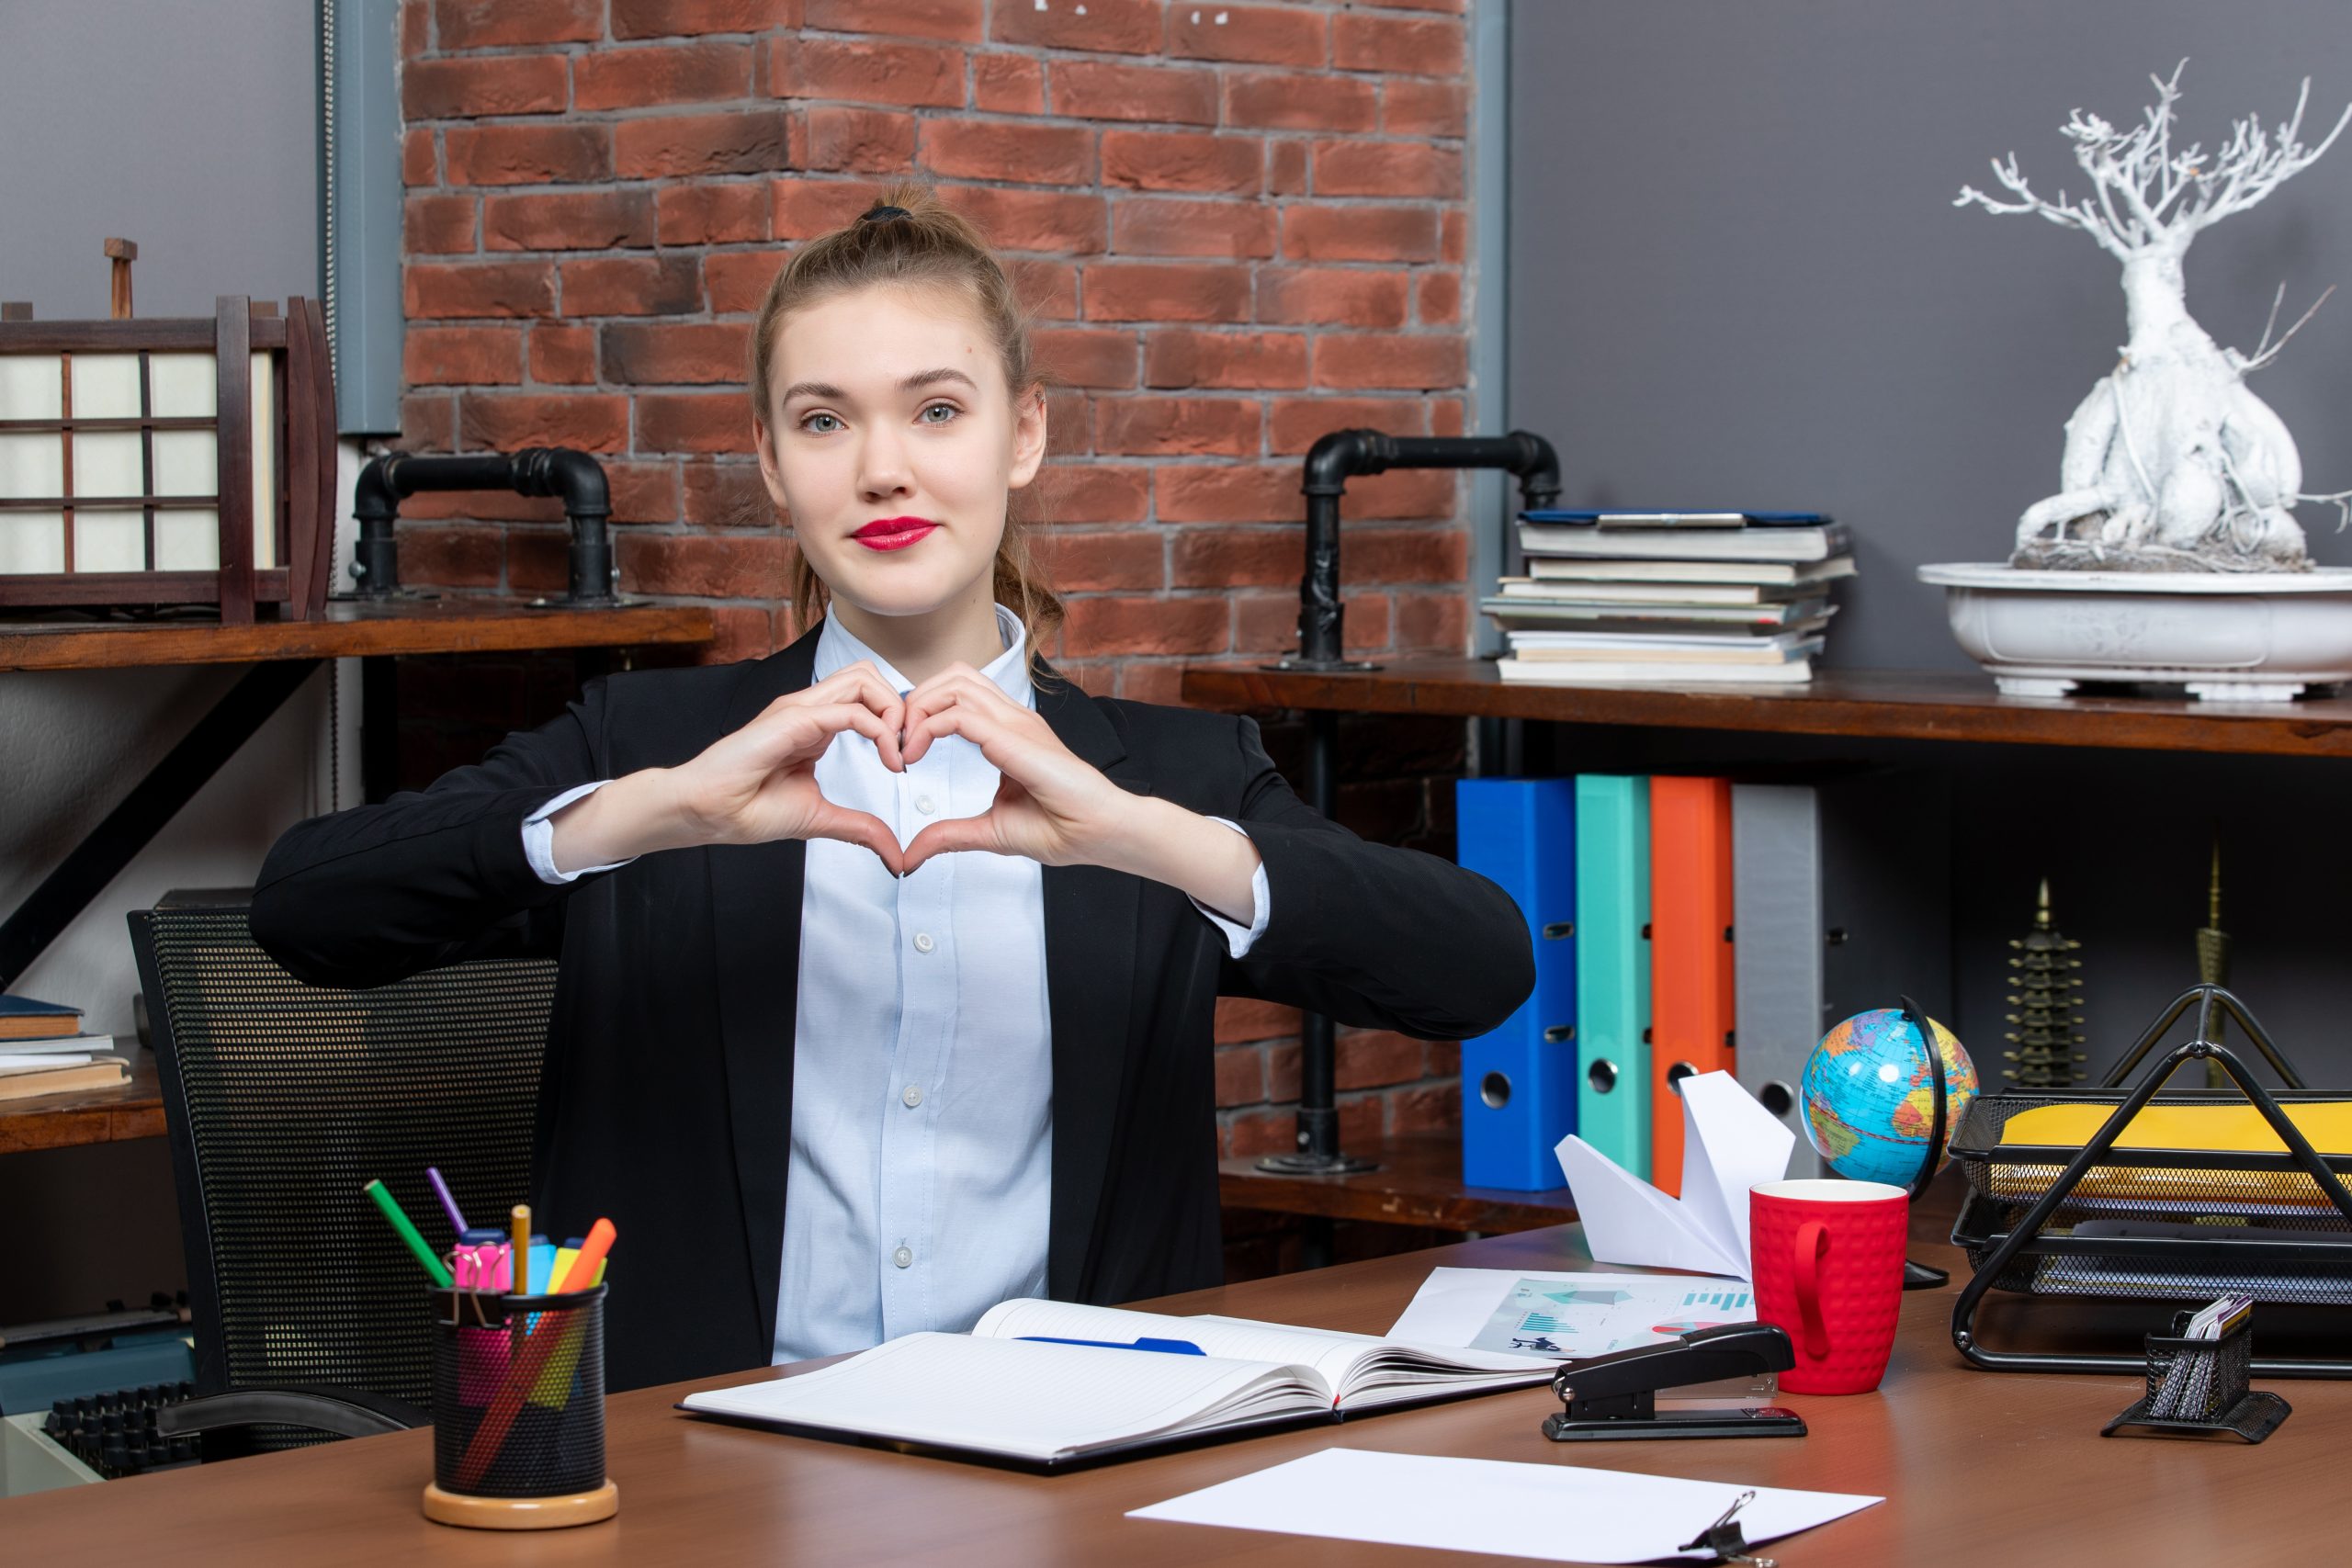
[
  {"x": 1613, "y": 967},
  {"x": 1519, "y": 1082},
  {"x": 1777, "y": 956},
  {"x": 1692, "y": 980}
]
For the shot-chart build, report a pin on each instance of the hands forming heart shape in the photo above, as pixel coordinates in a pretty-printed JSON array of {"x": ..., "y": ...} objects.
[{"x": 759, "y": 784}]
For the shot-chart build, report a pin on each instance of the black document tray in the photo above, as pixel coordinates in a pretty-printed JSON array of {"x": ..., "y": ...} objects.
[{"x": 2025, "y": 1202}]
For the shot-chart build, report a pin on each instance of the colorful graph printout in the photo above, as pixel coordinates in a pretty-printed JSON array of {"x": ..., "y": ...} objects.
[{"x": 1553, "y": 1318}]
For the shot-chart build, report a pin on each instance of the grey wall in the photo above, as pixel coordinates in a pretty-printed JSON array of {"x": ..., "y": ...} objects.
[
  {"x": 1737, "y": 277},
  {"x": 191, "y": 129}
]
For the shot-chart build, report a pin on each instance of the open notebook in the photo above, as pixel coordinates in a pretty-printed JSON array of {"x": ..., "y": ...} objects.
[{"x": 1052, "y": 1383}]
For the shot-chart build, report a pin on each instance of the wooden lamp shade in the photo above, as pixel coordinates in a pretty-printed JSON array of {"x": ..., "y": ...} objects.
[{"x": 169, "y": 461}]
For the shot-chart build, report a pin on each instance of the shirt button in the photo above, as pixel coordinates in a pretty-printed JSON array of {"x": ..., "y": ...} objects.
[
  {"x": 912, "y": 1095},
  {"x": 925, "y": 805},
  {"x": 903, "y": 1258},
  {"x": 923, "y": 943}
]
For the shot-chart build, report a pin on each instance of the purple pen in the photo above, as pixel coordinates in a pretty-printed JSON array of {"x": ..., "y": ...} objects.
[{"x": 441, "y": 1190}]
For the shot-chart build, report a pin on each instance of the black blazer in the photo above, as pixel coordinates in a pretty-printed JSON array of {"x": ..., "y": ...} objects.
[{"x": 667, "y": 1098}]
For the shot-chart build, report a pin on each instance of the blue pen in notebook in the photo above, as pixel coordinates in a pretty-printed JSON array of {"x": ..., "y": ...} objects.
[{"x": 1166, "y": 1347}]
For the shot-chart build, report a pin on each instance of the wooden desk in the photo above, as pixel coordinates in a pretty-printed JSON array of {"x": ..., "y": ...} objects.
[
  {"x": 1979, "y": 1468},
  {"x": 1418, "y": 1182}
]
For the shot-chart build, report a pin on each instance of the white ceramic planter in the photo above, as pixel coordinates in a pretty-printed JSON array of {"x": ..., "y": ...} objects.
[{"x": 2252, "y": 637}]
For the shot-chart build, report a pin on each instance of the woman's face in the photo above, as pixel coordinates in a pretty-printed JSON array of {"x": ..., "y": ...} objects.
[{"x": 891, "y": 442}]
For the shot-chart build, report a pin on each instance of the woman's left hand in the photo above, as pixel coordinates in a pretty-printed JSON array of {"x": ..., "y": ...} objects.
[{"x": 1051, "y": 806}]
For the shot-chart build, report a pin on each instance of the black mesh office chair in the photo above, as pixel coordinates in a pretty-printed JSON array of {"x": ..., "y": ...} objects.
[{"x": 283, "y": 1100}]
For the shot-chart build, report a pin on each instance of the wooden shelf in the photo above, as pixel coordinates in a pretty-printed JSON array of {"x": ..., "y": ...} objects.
[
  {"x": 420, "y": 626},
  {"x": 132, "y": 1110},
  {"x": 1902, "y": 705},
  {"x": 1418, "y": 1183}
]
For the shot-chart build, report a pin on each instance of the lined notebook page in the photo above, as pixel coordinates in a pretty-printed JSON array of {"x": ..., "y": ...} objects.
[
  {"x": 1345, "y": 1361},
  {"x": 1014, "y": 1397}
]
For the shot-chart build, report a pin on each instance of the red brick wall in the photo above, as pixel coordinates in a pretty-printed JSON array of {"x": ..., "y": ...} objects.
[{"x": 1239, "y": 227}]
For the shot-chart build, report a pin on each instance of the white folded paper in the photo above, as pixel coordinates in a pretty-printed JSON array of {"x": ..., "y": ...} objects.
[{"x": 1729, "y": 1144}]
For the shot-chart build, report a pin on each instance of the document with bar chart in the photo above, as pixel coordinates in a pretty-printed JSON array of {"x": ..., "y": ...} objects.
[{"x": 1564, "y": 1316}]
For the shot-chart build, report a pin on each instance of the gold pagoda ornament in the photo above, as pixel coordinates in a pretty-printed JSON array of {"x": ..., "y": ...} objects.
[
  {"x": 2045, "y": 1027},
  {"x": 2213, "y": 958}
]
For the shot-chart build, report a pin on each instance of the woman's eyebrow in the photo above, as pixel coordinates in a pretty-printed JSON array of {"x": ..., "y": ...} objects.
[{"x": 920, "y": 379}]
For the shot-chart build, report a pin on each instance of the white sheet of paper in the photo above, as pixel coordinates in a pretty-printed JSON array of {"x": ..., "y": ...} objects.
[
  {"x": 1461, "y": 1306},
  {"x": 1555, "y": 1513},
  {"x": 1729, "y": 1144}
]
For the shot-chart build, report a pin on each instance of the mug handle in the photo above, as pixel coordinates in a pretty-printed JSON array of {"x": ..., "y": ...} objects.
[{"x": 1811, "y": 1247}]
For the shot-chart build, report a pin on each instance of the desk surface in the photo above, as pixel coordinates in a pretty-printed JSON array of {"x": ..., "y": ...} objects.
[{"x": 1978, "y": 1468}]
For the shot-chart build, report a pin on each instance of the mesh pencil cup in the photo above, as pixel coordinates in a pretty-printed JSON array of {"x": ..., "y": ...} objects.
[{"x": 518, "y": 1411}]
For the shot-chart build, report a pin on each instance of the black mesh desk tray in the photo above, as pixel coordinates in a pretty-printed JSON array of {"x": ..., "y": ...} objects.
[{"x": 2103, "y": 1219}]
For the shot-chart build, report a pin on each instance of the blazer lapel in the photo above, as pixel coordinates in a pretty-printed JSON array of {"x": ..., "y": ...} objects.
[
  {"x": 1089, "y": 967},
  {"x": 755, "y": 909}
]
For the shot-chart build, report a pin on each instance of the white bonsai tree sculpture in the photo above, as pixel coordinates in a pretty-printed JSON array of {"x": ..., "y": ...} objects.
[{"x": 2171, "y": 463}]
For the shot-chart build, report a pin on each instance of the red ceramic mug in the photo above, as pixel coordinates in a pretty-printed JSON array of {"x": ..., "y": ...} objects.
[{"x": 1828, "y": 1260}]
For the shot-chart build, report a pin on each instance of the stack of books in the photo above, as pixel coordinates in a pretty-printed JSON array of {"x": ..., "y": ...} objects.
[
  {"x": 43, "y": 1050},
  {"x": 1670, "y": 597}
]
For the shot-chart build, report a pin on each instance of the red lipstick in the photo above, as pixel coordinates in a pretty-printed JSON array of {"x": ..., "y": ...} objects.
[{"x": 893, "y": 533}]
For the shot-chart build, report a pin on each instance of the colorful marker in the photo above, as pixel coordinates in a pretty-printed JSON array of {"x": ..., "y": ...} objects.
[
  {"x": 400, "y": 1222},
  {"x": 522, "y": 1245},
  {"x": 588, "y": 1258},
  {"x": 449, "y": 1204}
]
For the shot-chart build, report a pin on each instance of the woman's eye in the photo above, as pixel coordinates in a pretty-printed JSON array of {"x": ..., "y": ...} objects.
[
  {"x": 811, "y": 425},
  {"x": 946, "y": 409}
]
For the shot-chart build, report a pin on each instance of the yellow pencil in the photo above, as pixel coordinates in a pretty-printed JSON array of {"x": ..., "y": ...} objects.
[{"x": 519, "y": 1271}]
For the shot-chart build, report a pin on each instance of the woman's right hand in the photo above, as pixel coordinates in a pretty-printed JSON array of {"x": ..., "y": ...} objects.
[{"x": 753, "y": 786}]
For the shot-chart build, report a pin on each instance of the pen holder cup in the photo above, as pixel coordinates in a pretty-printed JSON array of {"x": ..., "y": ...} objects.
[
  {"x": 2199, "y": 1385},
  {"x": 518, "y": 1411}
]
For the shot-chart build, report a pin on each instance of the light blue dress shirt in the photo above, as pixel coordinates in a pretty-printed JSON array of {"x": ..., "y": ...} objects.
[{"x": 921, "y": 1137}]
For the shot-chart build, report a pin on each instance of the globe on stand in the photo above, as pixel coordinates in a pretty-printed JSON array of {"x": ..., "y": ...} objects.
[{"x": 1880, "y": 1106}]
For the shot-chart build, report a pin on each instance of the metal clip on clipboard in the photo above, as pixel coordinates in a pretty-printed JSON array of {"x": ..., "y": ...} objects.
[{"x": 1615, "y": 1396}]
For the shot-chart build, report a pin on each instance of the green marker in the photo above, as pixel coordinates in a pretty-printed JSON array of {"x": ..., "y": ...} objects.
[{"x": 390, "y": 1205}]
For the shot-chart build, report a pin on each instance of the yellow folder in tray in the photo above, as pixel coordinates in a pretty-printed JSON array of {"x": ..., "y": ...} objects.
[{"x": 2217, "y": 1129}]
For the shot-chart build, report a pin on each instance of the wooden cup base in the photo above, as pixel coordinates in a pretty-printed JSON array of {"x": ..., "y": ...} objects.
[{"x": 521, "y": 1512}]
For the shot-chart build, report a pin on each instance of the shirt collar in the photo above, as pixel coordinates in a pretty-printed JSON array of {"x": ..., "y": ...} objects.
[{"x": 838, "y": 649}]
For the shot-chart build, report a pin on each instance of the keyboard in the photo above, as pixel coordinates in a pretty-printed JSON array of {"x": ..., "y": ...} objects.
[{"x": 115, "y": 1434}]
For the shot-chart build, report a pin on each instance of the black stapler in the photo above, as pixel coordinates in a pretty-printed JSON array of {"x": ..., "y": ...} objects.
[{"x": 1615, "y": 1396}]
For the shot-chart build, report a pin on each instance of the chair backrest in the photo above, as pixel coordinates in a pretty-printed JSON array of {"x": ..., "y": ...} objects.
[{"x": 283, "y": 1100}]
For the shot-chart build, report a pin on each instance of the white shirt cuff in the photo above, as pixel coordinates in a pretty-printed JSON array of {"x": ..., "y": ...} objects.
[
  {"x": 1239, "y": 940},
  {"x": 538, "y": 837}
]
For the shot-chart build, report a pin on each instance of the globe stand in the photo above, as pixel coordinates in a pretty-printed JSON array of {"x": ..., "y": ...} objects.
[{"x": 1919, "y": 1276}]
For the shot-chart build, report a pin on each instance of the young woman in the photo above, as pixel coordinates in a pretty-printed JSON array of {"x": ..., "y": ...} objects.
[{"x": 889, "y": 962}]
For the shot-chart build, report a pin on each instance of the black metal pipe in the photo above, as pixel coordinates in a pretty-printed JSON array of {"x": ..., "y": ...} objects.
[
  {"x": 1344, "y": 454},
  {"x": 574, "y": 477},
  {"x": 1330, "y": 463}
]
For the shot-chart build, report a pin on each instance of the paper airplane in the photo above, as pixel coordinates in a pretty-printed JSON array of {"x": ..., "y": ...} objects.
[{"x": 1729, "y": 1144}]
